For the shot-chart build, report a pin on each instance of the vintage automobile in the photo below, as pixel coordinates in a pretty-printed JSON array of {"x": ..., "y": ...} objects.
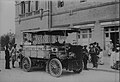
[{"x": 53, "y": 57}]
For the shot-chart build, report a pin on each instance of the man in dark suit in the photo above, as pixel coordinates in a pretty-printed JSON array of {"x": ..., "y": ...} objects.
[
  {"x": 94, "y": 57},
  {"x": 85, "y": 57},
  {"x": 7, "y": 58},
  {"x": 20, "y": 55},
  {"x": 13, "y": 53}
]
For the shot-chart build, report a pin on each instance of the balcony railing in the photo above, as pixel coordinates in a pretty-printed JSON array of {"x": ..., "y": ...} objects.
[
  {"x": 36, "y": 12},
  {"x": 40, "y": 11},
  {"x": 29, "y": 14},
  {"x": 22, "y": 15}
]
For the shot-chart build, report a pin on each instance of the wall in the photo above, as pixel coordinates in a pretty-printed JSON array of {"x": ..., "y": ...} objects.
[
  {"x": 93, "y": 12},
  {"x": 30, "y": 22},
  {"x": 84, "y": 12}
]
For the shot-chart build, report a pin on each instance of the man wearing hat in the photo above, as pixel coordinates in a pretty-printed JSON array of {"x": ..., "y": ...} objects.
[
  {"x": 13, "y": 53},
  {"x": 85, "y": 57},
  {"x": 110, "y": 47},
  {"x": 7, "y": 58},
  {"x": 93, "y": 54},
  {"x": 20, "y": 56}
]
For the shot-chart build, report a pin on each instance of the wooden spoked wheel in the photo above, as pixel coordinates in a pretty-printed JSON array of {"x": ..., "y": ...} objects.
[
  {"x": 26, "y": 64},
  {"x": 55, "y": 67}
]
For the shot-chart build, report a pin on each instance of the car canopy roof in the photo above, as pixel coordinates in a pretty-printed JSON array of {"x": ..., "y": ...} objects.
[{"x": 52, "y": 31}]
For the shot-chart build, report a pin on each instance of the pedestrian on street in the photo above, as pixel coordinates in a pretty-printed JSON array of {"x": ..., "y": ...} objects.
[
  {"x": 13, "y": 53},
  {"x": 101, "y": 62},
  {"x": 112, "y": 58},
  {"x": 90, "y": 46},
  {"x": 98, "y": 48},
  {"x": 85, "y": 57},
  {"x": 7, "y": 58},
  {"x": 110, "y": 47},
  {"x": 116, "y": 64},
  {"x": 20, "y": 55},
  {"x": 117, "y": 58},
  {"x": 94, "y": 57}
]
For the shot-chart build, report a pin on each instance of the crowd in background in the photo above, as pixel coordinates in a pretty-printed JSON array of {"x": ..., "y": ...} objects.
[
  {"x": 94, "y": 54},
  {"x": 11, "y": 54}
]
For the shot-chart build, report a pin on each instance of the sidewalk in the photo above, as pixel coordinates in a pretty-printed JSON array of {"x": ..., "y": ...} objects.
[
  {"x": 105, "y": 67},
  {"x": 2, "y": 55}
]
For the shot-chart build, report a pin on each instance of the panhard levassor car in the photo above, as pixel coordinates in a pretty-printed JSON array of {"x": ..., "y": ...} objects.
[{"x": 40, "y": 51}]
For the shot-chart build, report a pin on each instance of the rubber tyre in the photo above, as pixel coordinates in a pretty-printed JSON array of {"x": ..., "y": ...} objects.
[
  {"x": 55, "y": 67},
  {"x": 26, "y": 64}
]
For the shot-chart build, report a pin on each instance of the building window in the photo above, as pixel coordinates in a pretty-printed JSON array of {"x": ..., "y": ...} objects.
[
  {"x": 84, "y": 36},
  {"x": 22, "y": 7},
  {"x": 60, "y": 4},
  {"x": 107, "y": 34},
  {"x": 116, "y": 28},
  {"x": 106, "y": 29},
  {"x": 29, "y": 5},
  {"x": 90, "y": 31},
  {"x": 90, "y": 35},
  {"x": 112, "y": 29},
  {"x": 36, "y": 5},
  {"x": 84, "y": 31},
  {"x": 78, "y": 36},
  {"x": 82, "y": 1}
]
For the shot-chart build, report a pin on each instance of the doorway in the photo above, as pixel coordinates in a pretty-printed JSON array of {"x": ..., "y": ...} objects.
[{"x": 114, "y": 36}]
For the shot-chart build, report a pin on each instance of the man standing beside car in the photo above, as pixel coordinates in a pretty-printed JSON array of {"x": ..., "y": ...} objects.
[
  {"x": 85, "y": 57},
  {"x": 13, "y": 54},
  {"x": 7, "y": 58},
  {"x": 94, "y": 57}
]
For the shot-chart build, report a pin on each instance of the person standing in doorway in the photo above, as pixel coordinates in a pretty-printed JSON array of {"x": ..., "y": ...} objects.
[{"x": 7, "y": 58}]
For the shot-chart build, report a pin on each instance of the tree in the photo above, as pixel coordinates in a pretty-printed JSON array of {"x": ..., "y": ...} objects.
[
  {"x": 7, "y": 38},
  {"x": 4, "y": 41}
]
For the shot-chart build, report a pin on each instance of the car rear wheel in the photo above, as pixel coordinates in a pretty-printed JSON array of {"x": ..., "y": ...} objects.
[
  {"x": 55, "y": 67},
  {"x": 26, "y": 64}
]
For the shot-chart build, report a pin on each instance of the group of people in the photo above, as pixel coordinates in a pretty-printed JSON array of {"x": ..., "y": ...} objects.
[
  {"x": 11, "y": 55},
  {"x": 92, "y": 54}
]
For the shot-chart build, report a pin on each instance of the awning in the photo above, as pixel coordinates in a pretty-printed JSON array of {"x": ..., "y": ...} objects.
[
  {"x": 86, "y": 26},
  {"x": 52, "y": 31},
  {"x": 107, "y": 24}
]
